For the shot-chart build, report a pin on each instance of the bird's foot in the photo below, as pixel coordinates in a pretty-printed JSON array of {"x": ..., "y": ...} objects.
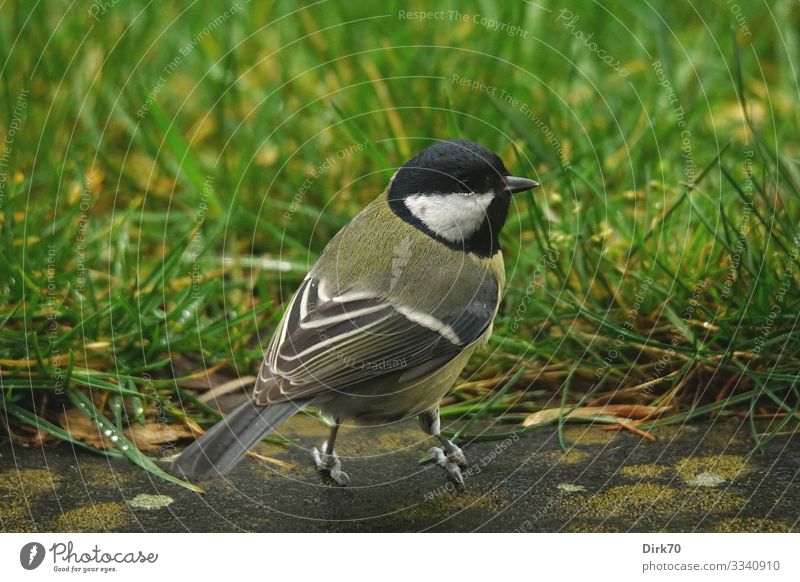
[
  {"x": 330, "y": 464},
  {"x": 452, "y": 462}
]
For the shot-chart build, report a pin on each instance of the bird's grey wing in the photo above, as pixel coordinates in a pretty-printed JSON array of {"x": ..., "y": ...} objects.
[{"x": 329, "y": 343}]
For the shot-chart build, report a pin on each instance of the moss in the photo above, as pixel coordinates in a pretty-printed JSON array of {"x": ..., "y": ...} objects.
[
  {"x": 671, "y": 432},
  {"x": 648, "y": 498},
  {"x": 447, "y": 502},
  {"x": 302, "y": 425},
  {"x": 366, "y": 441},
  {"x": 588, "y": 435},
  {"x": 726, "y": 434},
  {"x": 17, "y": 487},
  {"x": 723, "y": 435},
  {"x": 751, "y": 524},
  {"x": 710, "y": 470},
  {"x": 571, "y": 457},
  {"x": 102, "y": 475},
  {"x": 590, "y": 527},
  {"x": 15, "y": 518},
  {"x": 28, "y": 482},
  {"x": 96, "y": 517},
  {"x": 353, "y": 440},
  {"x": 642, "y": 472}
]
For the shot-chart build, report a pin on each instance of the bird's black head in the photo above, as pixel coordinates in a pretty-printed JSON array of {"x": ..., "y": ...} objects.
[{"x": 458, "y": 192}]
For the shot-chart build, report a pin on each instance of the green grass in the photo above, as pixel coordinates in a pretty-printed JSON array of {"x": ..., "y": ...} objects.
[{"x": 159, "y": 200}]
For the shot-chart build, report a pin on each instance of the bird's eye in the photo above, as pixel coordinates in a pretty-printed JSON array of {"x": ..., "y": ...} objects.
[{"x": 467, "y": 187}]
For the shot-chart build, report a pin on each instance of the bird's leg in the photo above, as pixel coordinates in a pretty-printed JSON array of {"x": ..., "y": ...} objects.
[
  {"x": 328, "y": 461},
  {"x": 449, "y": 456}
]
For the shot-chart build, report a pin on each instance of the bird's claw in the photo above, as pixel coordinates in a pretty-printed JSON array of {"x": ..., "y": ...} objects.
[
  {"x": 331, "y": 465},
  {"x": 451, "y": 463}
]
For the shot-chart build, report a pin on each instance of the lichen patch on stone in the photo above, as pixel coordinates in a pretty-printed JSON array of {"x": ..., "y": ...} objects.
[
  {"x": 570, "y": 488},
  {"x": 710, "y": 470},
  {"x": 146, "y": 501},
  {"x": 707, "y": 479}
]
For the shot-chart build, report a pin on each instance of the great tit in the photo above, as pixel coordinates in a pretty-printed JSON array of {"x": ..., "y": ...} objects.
[{"x": 386, "y": 320}]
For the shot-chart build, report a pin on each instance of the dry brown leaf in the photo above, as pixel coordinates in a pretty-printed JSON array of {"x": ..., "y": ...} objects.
[
  {"x": 635, "y": 411},
  {"x": 631, "y": 411},
  {"x": 272, "y": 460},
  {"x": 81, "y": 428},
  {"x": 149, "y": 437},
  {"x": 152, "y": 435}
]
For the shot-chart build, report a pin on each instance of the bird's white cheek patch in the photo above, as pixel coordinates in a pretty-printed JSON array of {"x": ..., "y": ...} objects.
[{"x": 454, "y": 217}]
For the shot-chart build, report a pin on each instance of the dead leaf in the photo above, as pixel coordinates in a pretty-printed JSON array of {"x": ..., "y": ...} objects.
[
  {"x": 149, "y": 437},
  {"x": 272, "y": 460},
  {"x": 81, "y": 428},
  {"x": 629, "y": 411},
  {"x": 152, "y": 435},
  {"x": 631, "y": 426}
]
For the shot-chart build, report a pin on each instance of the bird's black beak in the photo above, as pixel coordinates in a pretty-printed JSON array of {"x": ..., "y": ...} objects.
[{"x": 515, "y": 184}]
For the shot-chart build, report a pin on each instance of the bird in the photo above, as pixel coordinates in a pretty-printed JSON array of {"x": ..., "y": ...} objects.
[{"x": 385, "y": 321}]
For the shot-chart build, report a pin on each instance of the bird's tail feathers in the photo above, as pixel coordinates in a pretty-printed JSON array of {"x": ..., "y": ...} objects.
[{"x": 223, "y": 445}]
